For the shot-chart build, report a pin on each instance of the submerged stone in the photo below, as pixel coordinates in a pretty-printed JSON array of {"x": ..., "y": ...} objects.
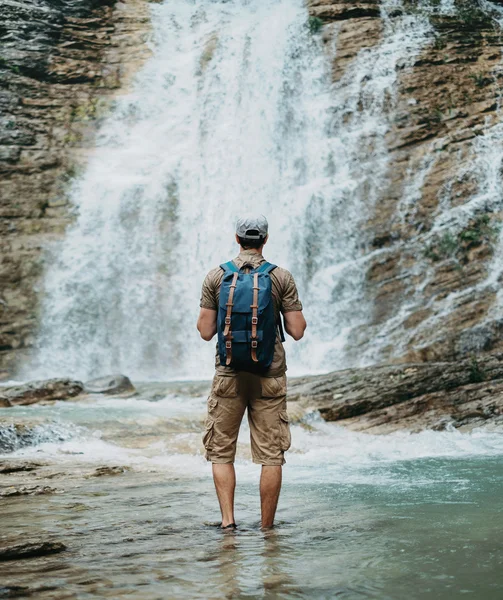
[
  {"x": 116, "y": 384},
  {"x": 29, "y": 549}
]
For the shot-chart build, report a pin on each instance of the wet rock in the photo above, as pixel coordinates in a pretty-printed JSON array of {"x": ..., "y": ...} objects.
[
  {"x": 110, "y": 384},
  {"x": 37, "y": 391},
  {"x": 23, "y": 591},
  {"x": 16, "y": 467},
  {"x": 14, "y": 436},
  {"x": 100, "y": 471},
  {"x": 385, "y": 398},
  {"x": 33, "y": 490},
  {"x": 30, "y": 549}
]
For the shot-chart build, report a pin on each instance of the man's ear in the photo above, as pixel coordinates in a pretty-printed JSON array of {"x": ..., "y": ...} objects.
[
  {"x": 265, "y": 241},
  {"x": 237, "y": 240}
]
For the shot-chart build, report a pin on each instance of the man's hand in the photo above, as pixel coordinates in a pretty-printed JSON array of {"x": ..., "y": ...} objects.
[
  {"x": 295, "y": 324},
  {"x": 207, "y": 323}
]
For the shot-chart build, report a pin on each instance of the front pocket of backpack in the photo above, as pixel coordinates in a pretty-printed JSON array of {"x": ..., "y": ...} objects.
[{"x": 273, "y": 387}]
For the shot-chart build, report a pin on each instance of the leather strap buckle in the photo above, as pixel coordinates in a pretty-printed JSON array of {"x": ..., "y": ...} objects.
[
  {"x": 227, "y": 320},
  {"x": 228, "y": 344},
  {"x": 254, "y": 320},
  {"x": 254, "y": 344}
]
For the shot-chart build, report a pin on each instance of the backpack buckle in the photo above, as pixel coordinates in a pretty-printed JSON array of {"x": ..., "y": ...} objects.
[
  {"x": 254, "y": 344},
  {"x": 228, "y": 345},
  {"x": 254, "y": 320},
  {"x": 227, "y": 320}
]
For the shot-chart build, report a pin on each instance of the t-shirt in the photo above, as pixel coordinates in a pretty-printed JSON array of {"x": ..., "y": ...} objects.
[{"x": 285, "y": 299}]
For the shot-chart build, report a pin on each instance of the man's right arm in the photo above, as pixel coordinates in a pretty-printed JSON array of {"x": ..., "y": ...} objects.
[
  {"x": 295, "y": 324},
  {"x": 207, "y": 321},
  {"x": 291, "y": 307}
]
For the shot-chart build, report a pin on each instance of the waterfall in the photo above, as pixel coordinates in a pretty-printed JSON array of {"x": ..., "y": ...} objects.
[{"x": 235, "y": 111}]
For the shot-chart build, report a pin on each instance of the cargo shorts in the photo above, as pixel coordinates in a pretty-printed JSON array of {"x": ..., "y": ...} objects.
[{"x": 265, "y": 398}]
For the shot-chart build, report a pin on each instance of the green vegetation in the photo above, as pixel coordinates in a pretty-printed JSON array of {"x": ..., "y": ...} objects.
[
  {"x": 443, "y": 247},
  {"x": 473, "y": 14},
  {"x": 477, "y": 374},
  {"x": 480, "y": 79},
  {"x": 6, "y": 65},
  {"x": 479, "y": 231},
  {"x": 314, "y": 24}
]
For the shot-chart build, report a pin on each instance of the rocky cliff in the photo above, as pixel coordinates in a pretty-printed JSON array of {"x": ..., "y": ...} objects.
[
  {"x": 61, "y": 64},
  {"x": 433, "y": 245}
]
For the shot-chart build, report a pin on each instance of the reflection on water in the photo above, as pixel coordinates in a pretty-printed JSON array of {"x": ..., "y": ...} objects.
[
  {"x": 360, "y": 516},
  {"x": 139, "y": 535}
]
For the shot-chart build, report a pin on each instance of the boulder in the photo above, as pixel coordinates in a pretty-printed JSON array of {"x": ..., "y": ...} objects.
[
  {"x": 26, "y": 490},
  {"x": 29, "y": 549},
  {"x": 113, "y": 385},
  {"x": 37, "y": 391},
  {"x": 414, "y": 397}
]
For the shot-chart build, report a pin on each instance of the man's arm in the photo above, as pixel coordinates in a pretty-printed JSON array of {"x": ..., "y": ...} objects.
[
  {"x": 207, "y": 323},
  {"x": 295, "y": 324}
]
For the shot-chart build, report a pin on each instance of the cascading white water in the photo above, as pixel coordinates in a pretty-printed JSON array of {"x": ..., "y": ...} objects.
[{"x": 234, "y": 112}]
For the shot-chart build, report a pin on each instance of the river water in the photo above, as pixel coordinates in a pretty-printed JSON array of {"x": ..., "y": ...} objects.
[{"x": 360, "y": 516}]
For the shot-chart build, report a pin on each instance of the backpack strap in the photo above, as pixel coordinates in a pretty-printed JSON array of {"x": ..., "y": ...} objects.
[
  {"x": 265, "y": 267},
  {"x": 280, "y": 329},
  {"x": 254, "y": 307},
  {"x": 229, "y": 267},
  {"x": 227, "y": 329}
]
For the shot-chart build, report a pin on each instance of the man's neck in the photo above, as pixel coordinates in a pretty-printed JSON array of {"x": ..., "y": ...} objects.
[{"x": 252, "y": 250}]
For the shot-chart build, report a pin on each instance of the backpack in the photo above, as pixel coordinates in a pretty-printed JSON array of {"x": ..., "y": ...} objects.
[{"x": 246, "y": 324}]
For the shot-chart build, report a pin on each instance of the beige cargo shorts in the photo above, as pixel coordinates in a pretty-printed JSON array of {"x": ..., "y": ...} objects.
[{"x": 265, "y": 399}]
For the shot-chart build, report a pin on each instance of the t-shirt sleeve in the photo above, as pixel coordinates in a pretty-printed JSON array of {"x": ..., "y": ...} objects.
[
  {"x": 208, "y": 293},
  {"x": 290, "y": 299}
]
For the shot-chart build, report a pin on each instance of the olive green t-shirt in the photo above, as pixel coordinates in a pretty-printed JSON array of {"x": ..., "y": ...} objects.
[{"x": 285, "y": 299}]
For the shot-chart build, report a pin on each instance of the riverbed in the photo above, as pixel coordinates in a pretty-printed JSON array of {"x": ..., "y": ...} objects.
[{"x": 360, "y": 516}]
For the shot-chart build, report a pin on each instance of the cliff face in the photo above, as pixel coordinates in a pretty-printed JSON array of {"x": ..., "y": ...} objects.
[
  {"x": 60, "y": 66},
  {"x": 433, "y": 238}
]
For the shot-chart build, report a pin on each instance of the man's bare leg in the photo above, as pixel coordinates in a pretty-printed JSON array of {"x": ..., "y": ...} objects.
[
  {"x": 270, "y": 486},
  {"x": 224, "y": 477}
]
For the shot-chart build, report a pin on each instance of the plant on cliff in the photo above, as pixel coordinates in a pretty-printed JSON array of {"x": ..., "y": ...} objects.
[
  {"x": 314, "y": 24},
  {"x": 477, "y": 373},
  {"x": 474, "y": 14},
  {"x": 479, "y": 231}
]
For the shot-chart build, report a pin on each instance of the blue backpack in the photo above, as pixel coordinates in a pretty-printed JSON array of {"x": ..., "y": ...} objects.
[{"x": 246, "y": 324}]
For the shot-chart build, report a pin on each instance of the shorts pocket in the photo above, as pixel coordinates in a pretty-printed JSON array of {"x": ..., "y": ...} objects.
[
  {"x": 208, "y": 433},
  {"x": 273, "y": 387},
  {"x": 284, "y": 431},
  {"x": 225, "y": 386}
]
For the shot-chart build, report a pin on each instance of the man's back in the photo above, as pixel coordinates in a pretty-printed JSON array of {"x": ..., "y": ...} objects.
[{"x": 284, "y": 294}]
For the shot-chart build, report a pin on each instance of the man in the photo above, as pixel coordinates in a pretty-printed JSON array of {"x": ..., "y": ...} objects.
[{"x": 264, "y": 394}]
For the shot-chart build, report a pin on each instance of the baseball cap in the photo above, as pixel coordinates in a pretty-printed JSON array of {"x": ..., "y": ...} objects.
[{"x": 252, "y": 227}]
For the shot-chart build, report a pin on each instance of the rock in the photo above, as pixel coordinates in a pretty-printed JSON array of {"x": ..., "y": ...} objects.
[
  {"x": 116, "y": 385},
  {"x": 33, "y": 490},
  {"x": 37, "y": 391},
  {"x": 15, "y": 467},
  {"x": 30, "y": 549},
  {"x": 414, "y": 397},
  {"x": 100, "y": 471}
]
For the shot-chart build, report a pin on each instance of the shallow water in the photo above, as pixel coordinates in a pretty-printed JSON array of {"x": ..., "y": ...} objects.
[{"x": 360, "y": 516}]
